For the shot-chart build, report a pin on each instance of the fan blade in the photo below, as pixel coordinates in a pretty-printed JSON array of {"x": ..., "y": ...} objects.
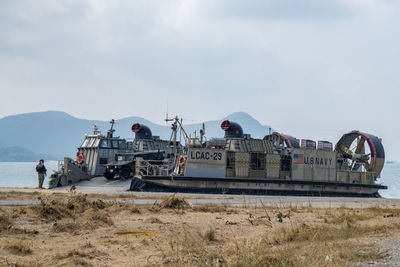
[
  {"x": 360, "y": 145},
  {"x": 347, "y": 151}
]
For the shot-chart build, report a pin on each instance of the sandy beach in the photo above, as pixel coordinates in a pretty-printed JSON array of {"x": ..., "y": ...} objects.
[{"x": 64, "y": 228}]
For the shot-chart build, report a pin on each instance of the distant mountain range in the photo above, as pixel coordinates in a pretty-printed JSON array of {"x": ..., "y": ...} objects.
[
  {"x": 55, "y": 134},
  {"x": 17, "y": 153}
]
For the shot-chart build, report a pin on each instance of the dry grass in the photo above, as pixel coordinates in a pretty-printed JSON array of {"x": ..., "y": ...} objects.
[
  {"x": 155, "y": 220},
  {"x": 19, "y": 248},
  {"x": 70, "y": 227},
  {"x": 72, "y": 254},
  {"x": 210, "y": 235},
  {"x": 178, "y": 204},
  {"x": 21, "y": 195},
  {"x": 191, "y": 249},
  {"x": 174, "y": 202},
  {"x": 82, "y": 257},
  {"x": 73, "y": 205},
  {"x": 288, "y": 246},
  {"x": 34, "y": 194},
  {"x": 319, "y": 254},
  {"x": 99, "y": 218},
  {"x": 79, "y": 262},
  {"x": 5, "y": 221},
  {"x": 210, "y": 207},
  {"x": 72, "y": 213},
  {"x": 335, "y": 242},
  {"x": 134, "y": 209},
  {"x": 77, "y": 231}
]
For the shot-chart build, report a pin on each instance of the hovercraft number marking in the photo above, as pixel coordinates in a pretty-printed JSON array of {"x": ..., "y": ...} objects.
[{"x": 199, "y": 155}]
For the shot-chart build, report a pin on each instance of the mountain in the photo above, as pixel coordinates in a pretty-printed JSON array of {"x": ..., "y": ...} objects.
[
  {"x": 213, "y": 128},
  {"x": 17, "y": 153},
  {"x": 59, "y": 134},
  {"x": 49, "y": 132}
]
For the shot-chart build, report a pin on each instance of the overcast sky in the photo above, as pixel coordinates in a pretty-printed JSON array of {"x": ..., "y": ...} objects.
[{"x": 313, "y": 69}]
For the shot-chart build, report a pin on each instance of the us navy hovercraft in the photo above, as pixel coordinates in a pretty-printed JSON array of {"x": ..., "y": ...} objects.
[{"x": 278, "y": 164}]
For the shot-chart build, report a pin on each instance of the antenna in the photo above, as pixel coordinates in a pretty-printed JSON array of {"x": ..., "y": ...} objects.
[
  {"x": 166, "y": 115},
  {"x": 96, "y": 129},
  {"x": 202, "y": 132}
]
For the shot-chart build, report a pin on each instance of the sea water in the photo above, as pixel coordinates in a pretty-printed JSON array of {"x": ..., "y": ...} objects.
[
  {"x": 391, "y": 177},
  {"x": 23, "y": 174}
]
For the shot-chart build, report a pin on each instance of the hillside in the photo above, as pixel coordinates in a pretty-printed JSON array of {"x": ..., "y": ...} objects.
[
  {"x": 17, "y": 153},
  {"x": 59, "y": 134}
]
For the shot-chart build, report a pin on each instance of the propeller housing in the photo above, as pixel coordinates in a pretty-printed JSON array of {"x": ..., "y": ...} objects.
[
  {"x": 141, "y": 131},
  {"x": 353, "y": 146},
  {"x": 232, "y": 129},
  {"x": 283, "y": 139}
]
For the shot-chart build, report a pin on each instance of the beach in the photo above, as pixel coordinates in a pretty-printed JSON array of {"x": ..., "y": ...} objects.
[{"x": 71, "y": 228}]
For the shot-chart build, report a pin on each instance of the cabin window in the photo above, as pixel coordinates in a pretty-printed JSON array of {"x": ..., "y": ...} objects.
[
  {"x": 121, "y": 144},
  {"x": 257, "y": 161},
  {"x": 115, "y": 144},
  {"x": 103, "y": 161},
  {"x": 105, "y": 143}
]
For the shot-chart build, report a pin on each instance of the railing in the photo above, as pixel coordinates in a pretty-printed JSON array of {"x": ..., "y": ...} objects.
[
  {"x": 152, "y": 167},
  {"x": 67, "y": 165},
  {"x": 60, "y": 165}
]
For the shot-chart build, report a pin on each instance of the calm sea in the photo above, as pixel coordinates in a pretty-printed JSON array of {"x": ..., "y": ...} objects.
[{"x": 23, "y": 174}]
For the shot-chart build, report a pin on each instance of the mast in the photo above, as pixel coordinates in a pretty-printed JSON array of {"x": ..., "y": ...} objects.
[
  {"x": 174, "y": 128},
  {"x": 176, "y": 125},
  {"x": 111, "y": 131},
  {"x": 202, "y": 133}
]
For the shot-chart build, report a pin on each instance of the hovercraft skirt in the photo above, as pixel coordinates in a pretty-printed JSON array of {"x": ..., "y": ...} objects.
[{"x": 257, "y": 186}]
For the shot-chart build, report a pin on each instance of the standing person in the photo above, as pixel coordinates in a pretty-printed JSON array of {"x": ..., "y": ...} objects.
[{"x": 41, "y": 170}]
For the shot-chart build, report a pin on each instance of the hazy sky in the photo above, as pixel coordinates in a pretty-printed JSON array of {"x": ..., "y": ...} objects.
[{"x": 314, "y": 69}]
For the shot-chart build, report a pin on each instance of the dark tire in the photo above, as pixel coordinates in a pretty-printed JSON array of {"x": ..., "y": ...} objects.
[
  {"x": 125, "y": 173},
  {"x": 109, "y": 175}
]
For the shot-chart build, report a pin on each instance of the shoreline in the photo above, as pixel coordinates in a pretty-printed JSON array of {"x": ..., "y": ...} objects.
[{"x": 143, "y": 198}]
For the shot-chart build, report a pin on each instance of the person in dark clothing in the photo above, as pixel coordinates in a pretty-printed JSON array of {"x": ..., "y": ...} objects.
[{"x": 41, "y": 170}]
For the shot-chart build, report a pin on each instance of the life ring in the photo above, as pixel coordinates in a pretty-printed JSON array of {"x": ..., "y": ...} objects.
[
  {"x": 182, "y": 160},
  {"x": 80, "y": 159}
]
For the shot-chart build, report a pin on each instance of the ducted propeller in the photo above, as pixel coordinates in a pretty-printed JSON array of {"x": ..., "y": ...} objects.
[{"x": 361, "y": 151}]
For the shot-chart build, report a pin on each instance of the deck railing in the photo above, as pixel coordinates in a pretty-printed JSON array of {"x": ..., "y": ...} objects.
[{"x": 151, "y": 167}]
